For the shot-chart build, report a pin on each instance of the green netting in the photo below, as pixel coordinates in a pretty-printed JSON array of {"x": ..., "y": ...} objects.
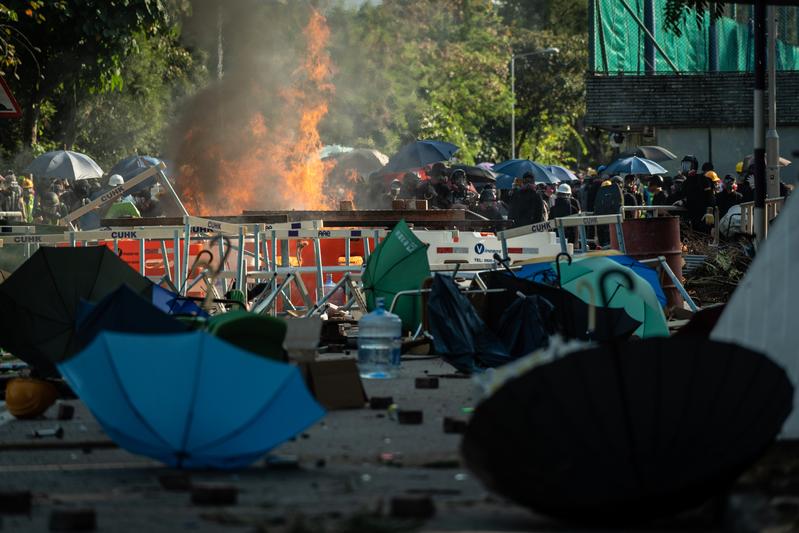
[{"x": 619, "y": 41}]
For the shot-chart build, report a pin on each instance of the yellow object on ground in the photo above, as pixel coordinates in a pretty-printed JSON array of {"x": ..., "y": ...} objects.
[{"x": 28, "y": 397}]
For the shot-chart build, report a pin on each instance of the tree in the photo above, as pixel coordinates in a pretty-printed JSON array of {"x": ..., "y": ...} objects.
[
  {"x": 76, "y": 48},
  {"x": 676, "y": 11}
]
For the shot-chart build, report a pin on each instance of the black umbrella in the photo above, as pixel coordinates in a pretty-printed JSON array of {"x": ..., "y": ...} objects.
[
  {"x": 651, "y": 428},
  {"x": 653, "y": 153},
  {"x": 477, "y": 175},
  {"x": 39, "y": 302},
  {"x": 123, "y": 311},
  {"x": 570, "y": 314},
  {"x": 526, "y": 325},
  {"x": 459, "y": 335}
]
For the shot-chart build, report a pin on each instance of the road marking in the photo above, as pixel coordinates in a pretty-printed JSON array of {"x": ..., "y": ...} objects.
[{"x": 81, "y": 467}]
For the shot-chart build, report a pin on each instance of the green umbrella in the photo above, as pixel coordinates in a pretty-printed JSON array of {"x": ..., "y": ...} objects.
[
  {"x": 399, "y": 263},
  {"x": 640, "y": 302},
  {"x": 259, "y": 334}
]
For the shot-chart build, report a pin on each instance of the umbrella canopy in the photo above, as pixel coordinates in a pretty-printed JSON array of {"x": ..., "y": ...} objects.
[
  {"x": 123, "y": 311},
  {"x": 226, "y": 408},
  {"x": 64, "y": 165},
  {"x": 259, "y": 334},
  {"x": 639, "y": 301},
  {"x": 562, "y": 173},
  {"x": 420, "y": 153},
  {"x": 362, "y": 160},
  {"x": 39, "y": 302},
  {"x": 477, "y": 174},
  {"x": 174, "y": 304},
  {"x": 654, "y": 153},
  {"x": 761, "y": 312},
  {"x": 505, "y": 182},
  {"x": 657, "y": 427},
  {"x": 748, "y": 161},
  {"x": 519, "y": 167},
  {"x": 526, "y": 324},
  {"x": 570, "y": 315},
  {"x": 545, "y": 272},
  {"x": 399, "y": 263},
  {"x": 634, "y": 165},
  {"x": 459, "y": 334},
  {"x": 132, "y": 166}
]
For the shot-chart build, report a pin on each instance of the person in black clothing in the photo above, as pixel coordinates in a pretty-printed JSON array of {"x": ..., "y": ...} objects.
[
  {"x": 729, "y": 196},
  {"x": 439, "y": 183},
  {"x": 656, "y": 192},
  {"x": 699, "y": 197},
  {"x": 526, "y": 206},
  {"x": 490, "y": 206},
  {"x": 410, "y": 186},
  {"x": 565, "y": 205}
]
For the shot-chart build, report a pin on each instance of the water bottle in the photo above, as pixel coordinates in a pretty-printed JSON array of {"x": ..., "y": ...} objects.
[
  {"x": 328, "y": 287},
  {"x": 379, "y": 342}
]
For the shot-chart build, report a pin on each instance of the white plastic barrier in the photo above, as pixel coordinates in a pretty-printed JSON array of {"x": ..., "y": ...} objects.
[{"x": 471, "y": 247}]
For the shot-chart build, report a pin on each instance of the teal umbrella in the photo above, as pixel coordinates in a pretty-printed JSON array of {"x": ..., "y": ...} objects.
[
  {"x": 582, "y": 276},
  {"x": 399, "y": 263}
]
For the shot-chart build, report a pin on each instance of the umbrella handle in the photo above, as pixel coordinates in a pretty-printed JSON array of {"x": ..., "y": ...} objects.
[
  {"x": 630, "y": 283},
  {"x": 504, "y": 263},
  {"x": 557, "y": 264},
  {"x": 578, "y": 287}
]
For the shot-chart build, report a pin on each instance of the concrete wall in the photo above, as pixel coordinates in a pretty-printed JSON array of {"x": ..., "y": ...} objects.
[{"x": 729, "y": 145}]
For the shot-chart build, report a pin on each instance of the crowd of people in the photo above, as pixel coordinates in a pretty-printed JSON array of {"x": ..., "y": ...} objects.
[
  {"x": 48, "y": 201},
  {"x": 697, "y": 191}
]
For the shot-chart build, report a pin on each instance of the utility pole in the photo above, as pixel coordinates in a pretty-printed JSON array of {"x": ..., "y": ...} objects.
[
  {"x": 759, "y": 145},
  {"x": 772, "y": 138}
]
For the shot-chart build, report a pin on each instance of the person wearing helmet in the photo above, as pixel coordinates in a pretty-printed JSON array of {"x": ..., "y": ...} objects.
[
  {"x": 50, "y": 209},
  {"x": 490, "y": 206},
  {"x": 715, "y": 179},
  {"x": 728, "y": 196},
  {"x": 609, "y": 201},
  {"x": 526, "y": 206},
  {"x": 438, "y": 191},
  {"x": 657, "y": 196},
  {"x": 410, "y": 187},
  {"x": 565, "y": 205},
  {"x": 699, "y": 197},
  {"x": 27, "y": 201},
  {"x": 115, "y": 180}
]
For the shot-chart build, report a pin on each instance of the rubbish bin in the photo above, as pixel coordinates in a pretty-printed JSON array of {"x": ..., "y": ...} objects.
[{"x": 648, "y": 238}]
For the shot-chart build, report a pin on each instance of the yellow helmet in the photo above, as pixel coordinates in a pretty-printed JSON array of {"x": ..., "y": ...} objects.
[
  {"x": 27, "y": 183},
  {"x": 739, "y": 167},
  {"x": 712, "y": 175},
  {"x": 28, "y": 397},
  {"x": 606, "y": 183}
]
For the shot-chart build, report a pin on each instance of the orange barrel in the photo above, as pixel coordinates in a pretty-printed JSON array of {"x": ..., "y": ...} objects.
[{"x": 648, "y": 238}]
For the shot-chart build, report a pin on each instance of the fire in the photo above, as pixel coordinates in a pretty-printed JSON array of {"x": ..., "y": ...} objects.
[{"x": 262, "y": 160}]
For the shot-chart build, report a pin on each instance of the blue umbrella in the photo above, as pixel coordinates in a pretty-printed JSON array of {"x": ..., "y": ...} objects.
[
  {"x": 544, "y": 273},
  {"x": 634, "y": 165},
  {"x": 420, "y": 153},
  {"x": 504, "y": 182},
  {"x": 122, "y": 311},
  {"x": 64, "y": 164},
  {"x": 174, "y": 304},
  {"x": 519, "y": 167},
  {"x": 131, "y": 166},
  {"x": 190, "y": 400},
  {"x": 562, "y": 173}
]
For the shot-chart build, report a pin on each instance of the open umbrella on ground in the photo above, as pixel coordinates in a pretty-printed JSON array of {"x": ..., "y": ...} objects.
[
  {"x": 123, "y": 311},
  {"x": 259, "y": 334},
  {"x": 544, "y": 272},
  {"x": 459, "y": 335},
  {"x": 39, "y": 302},
  {"x": 648, "y": 429},
  {"x": 653, "y": 153},
  {"x": 634, "y": 165},
  {"x": 571, "y": 315},
  {"x": 64, "y": 165},
  {"x": 420, "y": 153},
  {"x": 174, "y": 304},
  {"x": 226, "y": 407},
  {"x": 519, "y": 167},
  {"x": 582, "y": 278},
  {"x": 399, "y": 263},
  {"x": 476, "y": 174},
  {"x": 562, "y": 173}
]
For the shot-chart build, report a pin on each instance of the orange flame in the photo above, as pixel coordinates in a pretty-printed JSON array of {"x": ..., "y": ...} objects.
[{"x": 259, "y": 162}]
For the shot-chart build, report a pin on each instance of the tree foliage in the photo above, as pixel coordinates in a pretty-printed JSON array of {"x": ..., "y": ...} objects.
[{"x": 677, "y": 11}]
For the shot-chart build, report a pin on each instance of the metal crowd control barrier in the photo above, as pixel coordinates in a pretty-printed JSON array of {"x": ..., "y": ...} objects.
[
  {"x": 773, "y": 207},
  {"x": 560, "y": 224}
]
